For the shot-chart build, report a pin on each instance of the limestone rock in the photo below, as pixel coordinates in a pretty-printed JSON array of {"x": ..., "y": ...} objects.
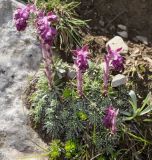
[
  {"x": 118, "y": 80},
  {"x": 117, "y": 42},
  {"x": 5, "y": 11},
  {"x": 20, "y": 56},
  {"x": 142, "y": 39},
  {"x": 122, "y": 27},
  {"x": 123, "y": 34}
]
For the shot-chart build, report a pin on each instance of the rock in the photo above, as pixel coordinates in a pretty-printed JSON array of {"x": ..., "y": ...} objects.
[
  {"x": 118, "y": 80},
  {"x": 20, "y": 56},
  {"x": 117, "y": 42},
  {"x": 123, "y": 34},
  {"x": 71, "y": 73},
  {"x": 112, "y": 28},
  {"x": 5, "y": 11},
  {"x": 142, "y": 39},
  {"x": 102, "y": 23},
  {"x": 122, "y": 27}
]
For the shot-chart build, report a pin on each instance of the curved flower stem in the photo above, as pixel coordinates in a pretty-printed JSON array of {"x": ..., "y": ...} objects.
[
  {"x": 47, "y": 57},
  {"x": 79, "y": 82}
]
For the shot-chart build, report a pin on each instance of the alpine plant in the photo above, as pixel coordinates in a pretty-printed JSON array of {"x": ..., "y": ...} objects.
[
  {"x": 44, "y": 29},
  {"x": 109, "y": 121},
  {"x": 81, "y": 63},
  {"x": 47, "y": 34},
  {"x": 112, "y": 60}
]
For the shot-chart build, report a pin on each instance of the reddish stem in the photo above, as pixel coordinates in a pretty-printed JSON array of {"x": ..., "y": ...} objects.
[
  {"x": 79, "y": 82},
  {"x": 47, "y": 59}
]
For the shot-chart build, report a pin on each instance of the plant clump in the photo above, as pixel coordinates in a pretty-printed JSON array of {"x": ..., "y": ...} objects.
[{"x": 77, "y": 119}]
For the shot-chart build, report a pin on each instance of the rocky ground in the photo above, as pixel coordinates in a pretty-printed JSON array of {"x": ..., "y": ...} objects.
[
  {"x": 138, "y": 59},
  {"x": 106, "y": 15},
  {"x": 20, "y": 56}
]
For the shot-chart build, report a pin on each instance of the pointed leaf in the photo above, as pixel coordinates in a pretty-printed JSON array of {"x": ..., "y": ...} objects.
[
  {"x": 146, "y": 101},
  {"x": 134, "y": 107},
  {"x": 146, "y": 110},
  {"x": 134, "y": 99}
]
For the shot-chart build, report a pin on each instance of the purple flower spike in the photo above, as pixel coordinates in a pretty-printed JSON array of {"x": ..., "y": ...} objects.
[
  {"x": 21, "y": 16},
  {"x": 46, "y": 32},
  {"x": 81, "y": 62},
  {"x": 117, "y": 60},
  {"x": 81, "y": 59},
  {"x": 112, "y": 60},
  {"x": 21, "y": 24},
  {"x": 109, "y": 121},
  {"x": 118, "y": 64}
]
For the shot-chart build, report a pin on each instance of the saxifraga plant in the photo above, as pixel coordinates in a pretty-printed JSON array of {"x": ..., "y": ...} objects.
[
  {"x": 82, "y": 126},
  {"x": 66, "y": 116}
]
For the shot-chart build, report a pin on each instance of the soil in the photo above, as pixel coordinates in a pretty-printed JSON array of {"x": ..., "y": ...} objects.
[
  {"x": 105, "y": 15},
  {"x": 136, "y": 15}
]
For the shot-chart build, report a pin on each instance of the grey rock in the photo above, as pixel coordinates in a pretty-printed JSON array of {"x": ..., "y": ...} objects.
[
  {"x": 123, "y": 34},
  {"x": 118, "y": 80},
  {"x": 71, "y": 73},
  {"x": 117, "y": 42},
  {"x": 142, "y": 39},
  {"x": 5, "y": 11},
  {"x": 20, "y": 56},
  {"x": 122, "y": 27},
  {"x": 101, "y": 22}
]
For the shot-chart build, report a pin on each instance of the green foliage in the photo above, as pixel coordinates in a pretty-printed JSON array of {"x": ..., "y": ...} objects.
[
  {"x": 70, "y": 148},
  {"x": 138, "y": 111},
  {"x": 68, "y": 26},
  {"x": 67, "y": 117},
  {"x": 55, "y": 149}
]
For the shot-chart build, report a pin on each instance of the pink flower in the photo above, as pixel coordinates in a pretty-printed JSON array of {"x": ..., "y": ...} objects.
[
  {"x": 21, "y": 16},
  {"x": 109, "y": 121},
  {"x": 44, "y": 28},
  {"x": 117, "y": 61},
  {"x": 81, "y": 58},
  {"x": 81, "y": 62},
  {"x": 112, "y": 60}
]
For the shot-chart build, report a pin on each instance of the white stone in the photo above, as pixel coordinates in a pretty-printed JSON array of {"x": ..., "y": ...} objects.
[
  {"x": 142, "y": 39},
  {"x": 123, "y": 34},
  {"x": 117, "y": 42},
  {"x": 118, "y": 80},
  {"x": 122, "y": 27}
]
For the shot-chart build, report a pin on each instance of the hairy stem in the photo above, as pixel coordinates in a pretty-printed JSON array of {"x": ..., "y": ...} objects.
[
  {"x": 47, "y": 58},
  {"x": 79, "y": 82}
]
